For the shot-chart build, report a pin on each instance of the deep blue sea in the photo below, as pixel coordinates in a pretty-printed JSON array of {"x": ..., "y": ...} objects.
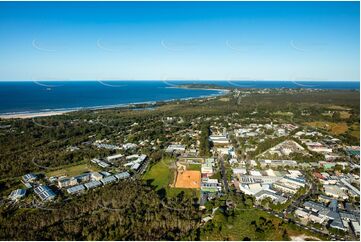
[{"x": 28, "y": 97}]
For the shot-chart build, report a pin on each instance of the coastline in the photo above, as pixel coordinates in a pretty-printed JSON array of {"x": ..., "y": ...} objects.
[
  {"x": 29, "y": 114},
  {"x": 33, "y": 115}
]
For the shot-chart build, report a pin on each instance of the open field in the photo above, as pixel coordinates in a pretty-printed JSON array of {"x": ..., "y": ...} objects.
[
  {"x": 160, "y": 173},
  {"x": 194, "y": 167},
  {"x": 334, "y": 128},
  {"x": 355, "y": 130},
  {"x": 71, "y": 170},
  {"x": 188, "y": 179},
  {"x": 279, "y": 113}
]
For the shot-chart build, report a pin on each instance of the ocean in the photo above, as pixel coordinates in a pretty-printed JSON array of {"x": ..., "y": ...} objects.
[{"x": 34, "y": 96}]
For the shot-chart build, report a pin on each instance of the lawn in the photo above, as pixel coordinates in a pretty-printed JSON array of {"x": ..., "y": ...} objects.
[
  {"x": 162, "y": 175},
  {"x": 194, "y": 167},
  {"x": 355, "y": 130},
  {"x": 334, "y": 128},
  {"x": 72, "y": 170},
  {"x": 288, "y": 114}
]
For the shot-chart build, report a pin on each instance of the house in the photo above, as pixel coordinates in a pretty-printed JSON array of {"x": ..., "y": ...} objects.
[
  {"x": 44, "y": 193},
  {"x": 17, "y": 194}
]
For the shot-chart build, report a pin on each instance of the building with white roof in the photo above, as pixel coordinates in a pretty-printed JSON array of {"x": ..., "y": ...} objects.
[
  {"x": 335, "y": 191},
  {"x": 76, "y": 189},
  {"x": 122, "y": 175},
  {"x": 356, "y": 227},
  {"x": 176, "y": 148},
  {"x": 219, "y": 139},
  {"x": 17, "y": 194},
  {"x": 108, "y": 179},
  {"x": 92, "y": 184},
  {"x": 295, "y": 173},
  {"x": 207, "y": 167},
  {"x": 114, "y": 158},
  {"x": 270, "y": 194},
  {"x": 239, "y": 171},
  {"x": 29, "y": 177},
  {"x": 255, "y": 173}
]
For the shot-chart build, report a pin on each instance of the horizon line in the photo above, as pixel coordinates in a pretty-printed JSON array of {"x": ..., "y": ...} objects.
[{"x": 197, "y": 80}]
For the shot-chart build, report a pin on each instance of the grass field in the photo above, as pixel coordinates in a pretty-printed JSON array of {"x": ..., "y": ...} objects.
[
  {"x": 162, "y": 175},
  {"x": 334, "y": 128},
  {"x": 288, "y": 114},
  {"x": 194, "y": 167},
  {"x": 355, "y": 130},
  {"x": 71, "y": 170}
]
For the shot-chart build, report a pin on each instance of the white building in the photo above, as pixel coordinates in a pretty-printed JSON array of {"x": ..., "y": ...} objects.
[
  {"x": 17, "y": 194},
  {"x": 335, "y": 191}
]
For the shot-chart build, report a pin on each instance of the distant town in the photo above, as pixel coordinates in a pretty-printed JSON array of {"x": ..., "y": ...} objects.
[{"x": 301, "y": 173}]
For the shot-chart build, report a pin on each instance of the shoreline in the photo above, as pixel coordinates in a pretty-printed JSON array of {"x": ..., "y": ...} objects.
[{"x": 29, "y": 114}]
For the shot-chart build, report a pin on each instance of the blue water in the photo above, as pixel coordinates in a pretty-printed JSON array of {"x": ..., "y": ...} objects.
[{"x": 24, "y": 97}]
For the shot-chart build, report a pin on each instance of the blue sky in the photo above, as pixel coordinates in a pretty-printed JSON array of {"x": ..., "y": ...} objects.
[{"x": 180, "y": 41}]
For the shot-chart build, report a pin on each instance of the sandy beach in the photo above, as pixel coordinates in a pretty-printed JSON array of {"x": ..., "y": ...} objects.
[{"x": 31, "y": 115}]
